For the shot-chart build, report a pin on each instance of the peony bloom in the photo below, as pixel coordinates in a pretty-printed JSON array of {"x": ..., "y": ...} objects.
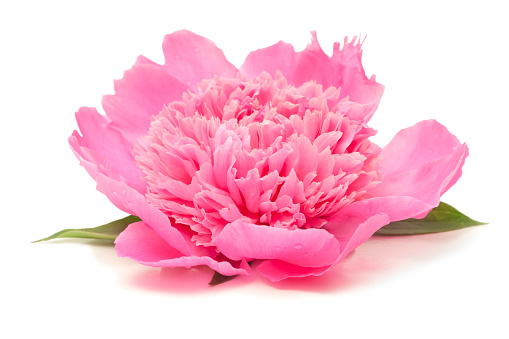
[{"x": 271, "y": 162}]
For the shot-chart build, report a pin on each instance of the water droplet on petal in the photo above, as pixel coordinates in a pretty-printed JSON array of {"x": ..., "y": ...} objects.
[
  {"x": 130, "y": 204},
  {"x": 123, "y": 192},
  {"x": 115, "y": 194},
  {"x": 299, "y": 246},
  {"x": 277, "y": 248}
]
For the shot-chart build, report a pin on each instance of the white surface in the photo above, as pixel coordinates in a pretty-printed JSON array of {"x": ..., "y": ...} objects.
[{"x": 439, "y": 59}]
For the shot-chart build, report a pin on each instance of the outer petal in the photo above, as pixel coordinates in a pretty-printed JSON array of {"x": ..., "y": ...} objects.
[
  {"x": 359, "y": 221},
  {"x": 280, "y": 56},
  {"x": 277, "y": 270},
  {"x": 422, "y": 162},
  {"x": 132, "y": 202},
  {"x": 140, "y": 94},
  {"x": 413, "y": 147},
  {"x": 307, "y": 248},
  {"x": 343, "y": 70},
  {"x": 419, "y": 164},
  {"x": 354, "y": 83},
  {"x": 105, "y": 148},
  {"x": 350, "y": 232},
  {"x": 139, "y": 242},
  {"x": 192, "y": 58}
]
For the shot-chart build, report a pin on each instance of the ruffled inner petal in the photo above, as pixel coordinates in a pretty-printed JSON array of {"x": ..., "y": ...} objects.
[{"x": 231, "y": 150}]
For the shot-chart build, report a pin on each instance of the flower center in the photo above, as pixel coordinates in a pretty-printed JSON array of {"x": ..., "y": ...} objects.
[{"x": 261, "y": 151}]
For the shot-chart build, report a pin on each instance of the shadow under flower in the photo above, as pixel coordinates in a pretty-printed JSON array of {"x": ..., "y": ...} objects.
[
  {"x": 182, "y": 280},
  {"x": 379, "y": 259}
]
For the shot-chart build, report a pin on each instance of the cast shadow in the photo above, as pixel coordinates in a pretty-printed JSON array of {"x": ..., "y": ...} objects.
[{"x": 379, "y": 259}]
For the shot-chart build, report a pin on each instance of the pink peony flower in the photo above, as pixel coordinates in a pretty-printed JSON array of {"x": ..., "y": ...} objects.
[{"x": 271, "y": 162}]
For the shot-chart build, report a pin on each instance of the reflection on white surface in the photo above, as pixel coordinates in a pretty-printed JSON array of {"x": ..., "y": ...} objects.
[{"x": 379, "y": 259}]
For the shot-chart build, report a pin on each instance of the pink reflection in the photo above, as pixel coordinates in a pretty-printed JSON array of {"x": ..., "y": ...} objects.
[
  {"x": 183, "y": 280},
  {"x": 379, "y": 259}
]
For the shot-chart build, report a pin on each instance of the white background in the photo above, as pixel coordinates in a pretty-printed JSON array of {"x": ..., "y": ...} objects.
[{"x": 446, "y": 60}]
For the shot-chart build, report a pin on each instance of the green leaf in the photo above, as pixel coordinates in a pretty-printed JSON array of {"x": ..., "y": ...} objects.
[
  {"x": 218, "y": 278},
  {"x": 442, "y": 218},
  {"x": 108, "y": 231}
]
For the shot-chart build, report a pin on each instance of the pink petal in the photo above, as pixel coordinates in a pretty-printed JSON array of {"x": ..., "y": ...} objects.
[
  {"x": 90, "y": 160},
  {"x": 140, "y": 94},
  {"x": 455, "y": 177},
  {"x": 280, "y": 56},
  {"x": 422, "y": 162},
  {"x": 139, "y": 242},
  {"x": 277, "y": 270},
  {"x": 104, "y": 147},
  {"x": 129, "y": 200},
  {"x": 354, "y": 225},
  {"x": 343, "y": 70},
  {"x": 192, "y": 58},
  {"x": 419, "y": 164},
  {"x": 415, "y": 146},
  {"x": 314, "y": 64},
  {"x": 309, "y": 248}
]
